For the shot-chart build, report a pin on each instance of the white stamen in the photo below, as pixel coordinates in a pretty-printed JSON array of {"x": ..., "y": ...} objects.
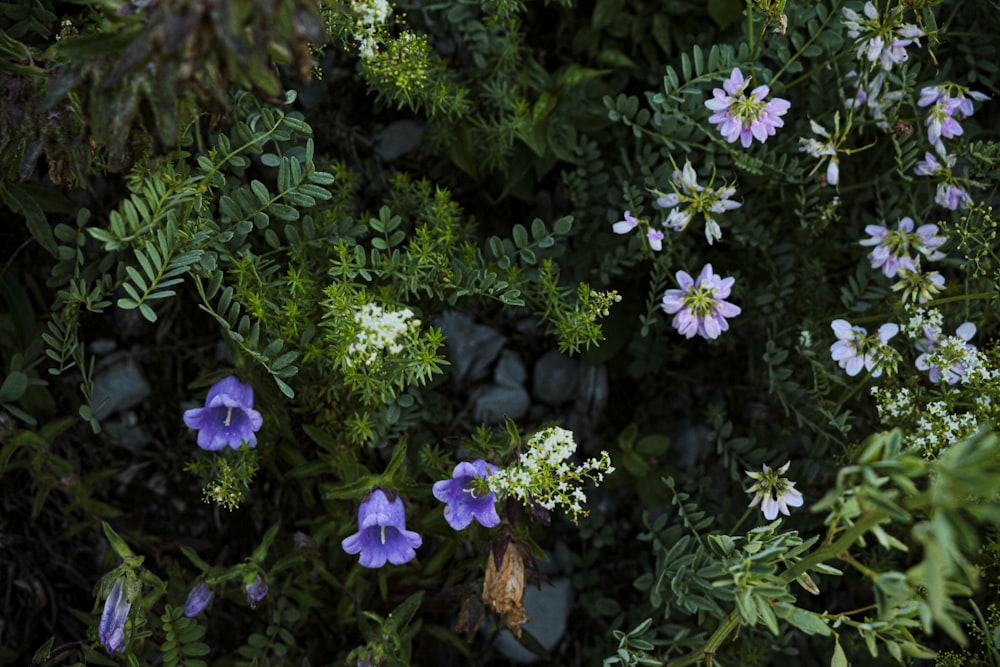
[
  {"x": 229, "y": 416},
  {"x": 383, "y": 534}
]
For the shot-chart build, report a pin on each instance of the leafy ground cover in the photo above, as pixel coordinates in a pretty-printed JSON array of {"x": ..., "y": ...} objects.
[{"x": 614, "y": 332}]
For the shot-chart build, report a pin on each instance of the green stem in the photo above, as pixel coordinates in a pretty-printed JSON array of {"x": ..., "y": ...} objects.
[{"x": 960, "y": 297}]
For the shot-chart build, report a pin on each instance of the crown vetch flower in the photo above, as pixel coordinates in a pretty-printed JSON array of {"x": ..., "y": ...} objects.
[
  {"x": 824, "y": 149},
  {"x": 198, "y": 599},
  {"x": 699, "y": 306},
  {"x": 892, "y": 247},
  {"x": 111, "y": 631},
  {"x": 625, "y": 226},
  {"x": 855, "y": 349},
  {"x": 382, "y": 535},
  {"x": 256, "y": 590},
  {"x": 745, "y": 117},
  {"x": 463, "y": 502},
  {"x": 228, "y": 417},
  {"x": 699, "y": 199},
  {"x": 773, "y": 492},
  {"x": 881, "y": 39},
  {"x": 947, "y": 358}
]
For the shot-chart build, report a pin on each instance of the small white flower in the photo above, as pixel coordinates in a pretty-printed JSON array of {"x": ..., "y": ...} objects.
[{"x": 773, "y": 492}]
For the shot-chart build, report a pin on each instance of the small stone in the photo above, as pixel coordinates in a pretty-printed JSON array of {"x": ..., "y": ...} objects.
[
  {"x": 495, "y": 402},
  {"x": 548, "y": 609},
  {"x": 471, "y": 347},
  {"x": 510, "y": 370},
  {"x": 119, "y": 386},
  {"x": 399, "y": 138},
  {"x": 556, "y": 378}
]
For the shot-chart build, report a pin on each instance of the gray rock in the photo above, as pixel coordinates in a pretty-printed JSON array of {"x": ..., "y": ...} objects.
[
  {"x": 127, "y": 432},
  {"x": 471, "y": 347},
  {"x": 691, "y": 444},
  {"x": 495, "y": 402},
  {"x": 103, "y": 346},
  {"x": 556, "y": 378},
  {"x": 399, "y": 138},
  {"x": 510, "y": 370},
  {"x": 119, "y": 386},
  {"x": 548, "y": 608}
]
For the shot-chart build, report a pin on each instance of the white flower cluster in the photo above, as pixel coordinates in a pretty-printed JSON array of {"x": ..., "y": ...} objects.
[
  {"x": 951, "y": 359},
  {"x": 370, "y": 14},
  {"x": 543, "y": 476},
  {"x": 893, "y": 405},
  {"x": 938, "y": 429},
  {"x": 380, "y": 330}
]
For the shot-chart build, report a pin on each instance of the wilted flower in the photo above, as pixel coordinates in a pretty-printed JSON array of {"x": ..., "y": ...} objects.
[
  {"x": 892, "y": 248},
  {"x": 698, "y": 199},
  {"x": 228, "y": 417},
  {"x": 460, "y": 494},
  {"x": 197, "y": 599},
  {"x": 699, "y": 306},
  {"x": 256, "y": 590},
  {"x": 745, "y": 117},
  {"x": 382, "y": 535},
  {"x": 773, "y": 492},
  {"x": 855, "y": 349},
  {"x": 111, "y": 631}
]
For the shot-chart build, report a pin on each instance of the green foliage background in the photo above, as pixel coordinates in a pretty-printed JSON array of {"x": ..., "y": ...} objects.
[{"x": 181, "y": 173}]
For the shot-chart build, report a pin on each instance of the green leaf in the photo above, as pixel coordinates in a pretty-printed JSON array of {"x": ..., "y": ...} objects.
[
  {"x": 14, "y": 386},
  {"x": 117, "y": 543},
  {"x": 520, "y": 236},
  {"x": 839, "y": 657}
]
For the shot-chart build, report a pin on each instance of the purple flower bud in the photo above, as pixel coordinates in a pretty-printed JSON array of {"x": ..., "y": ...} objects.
[
  {"x": 228, "y": 417},
  {"x": 198, "y": 599},
  {"x": 256, "y": 590},
  {"x": 116, "y": 608}
]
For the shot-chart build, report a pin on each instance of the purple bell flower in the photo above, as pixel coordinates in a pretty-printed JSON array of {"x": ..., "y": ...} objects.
[
  {"x": 459, "y": 492},
  {"x": 198, "y": 599},
  {"x": 111, "y": 631},
  {"x": 256, "y": 590},
  {"x": 228, "y": 417},
  {"x": 382, "y": 535}
]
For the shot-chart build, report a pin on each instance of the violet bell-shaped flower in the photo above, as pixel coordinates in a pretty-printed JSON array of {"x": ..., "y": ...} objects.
[
  {"x": 228, "y": 417},
  {"x": 111, "y": 631},
  {"x": 382, "y": 535},
  {"x": 745, "y": 117},
  {"x": 256, "y": 590},
  {"x": 198, "y": 599},
  {"x": 463, "y": 503}
]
